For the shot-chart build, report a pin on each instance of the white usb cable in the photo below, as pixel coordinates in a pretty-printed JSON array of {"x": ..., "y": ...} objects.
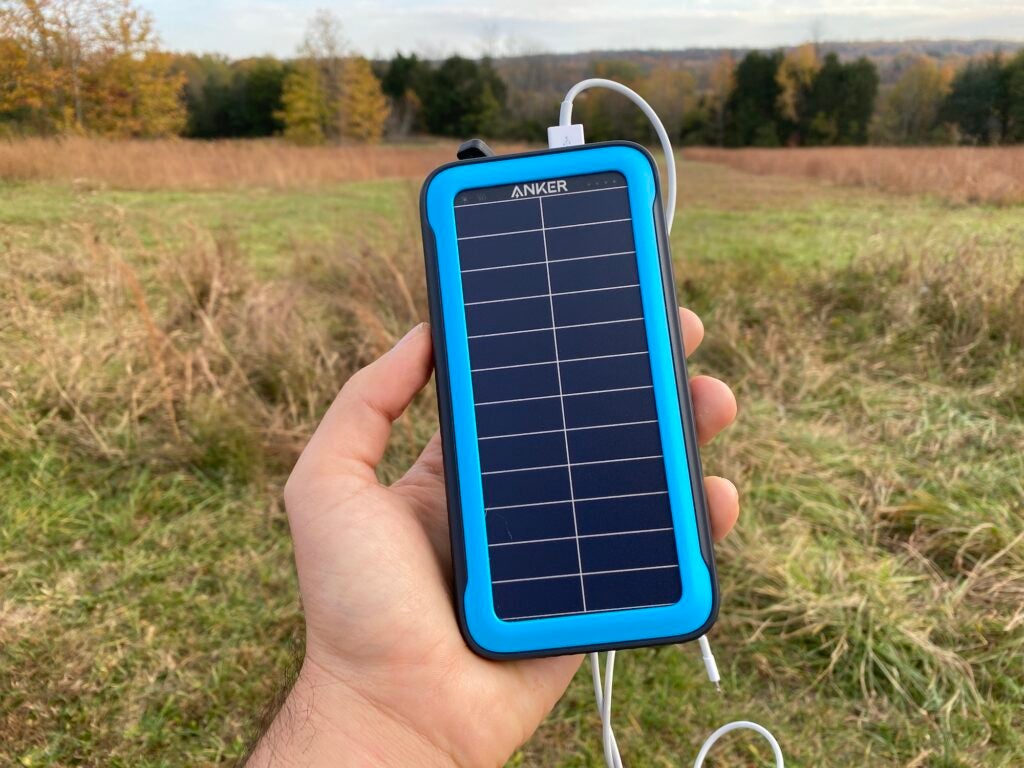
[{"x": 565, "y": 134}]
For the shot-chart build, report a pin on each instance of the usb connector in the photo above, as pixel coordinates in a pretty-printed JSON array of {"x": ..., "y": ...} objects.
[{"x": 565, "y": 136}]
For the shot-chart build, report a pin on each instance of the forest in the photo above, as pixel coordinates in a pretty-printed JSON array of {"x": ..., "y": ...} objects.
[{"x": 96, "y": 68}]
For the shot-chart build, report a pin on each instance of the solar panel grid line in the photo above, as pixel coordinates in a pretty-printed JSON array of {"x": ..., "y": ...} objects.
[
  {"x": 579, "y": 499},
  {"x": 556, "y": 328},
  {"x": 549, "y": 295},
  {"x": 534, "y": 263},
  {"x": 586, "y": 573},
  {"x": 542, "y": 229},
  {"x": 555, "y": 194},
  {"x": 558, "y": 372},
  {"x": 582, "y": 536},
  {"x": 569, "y": 429},
  {"x": 571, "y": 464},
  {"x": 567, "y": 394},
  {"x": 568, "y": 360}
]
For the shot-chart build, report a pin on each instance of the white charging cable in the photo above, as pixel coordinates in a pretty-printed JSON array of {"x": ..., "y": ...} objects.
[{"x": 565, "y": 134}]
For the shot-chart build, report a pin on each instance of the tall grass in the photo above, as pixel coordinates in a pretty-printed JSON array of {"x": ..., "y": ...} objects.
[
  {"x": 959, "y": 174},
  {"x": 180, "y": 164}
]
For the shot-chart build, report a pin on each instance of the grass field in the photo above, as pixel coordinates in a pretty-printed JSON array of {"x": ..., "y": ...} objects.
[{"x": 166, "y": 351}]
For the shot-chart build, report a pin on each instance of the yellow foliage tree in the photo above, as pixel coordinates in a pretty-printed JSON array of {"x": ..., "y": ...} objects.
[
  {"x": 795, "y": 78},
  {"x": 136, "y": 97},
  {"x": 303, "y": 105},
  {"x": 910, "y": 109},
  {"x": 363, "y": 109},
  {"x": 23, "y": 86},
  {"x": 672, "y": 92},
  {"x": 89, "y": 66},
  {"x": 721, "y": 84}
]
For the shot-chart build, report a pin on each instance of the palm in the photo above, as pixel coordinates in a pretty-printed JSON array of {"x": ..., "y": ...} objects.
[
  {"x": 381, "y": 587},
  {"x": 375, "y": 575}
]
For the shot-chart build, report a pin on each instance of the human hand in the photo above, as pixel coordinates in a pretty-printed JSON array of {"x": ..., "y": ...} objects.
[{"x": 387, "y": 678}]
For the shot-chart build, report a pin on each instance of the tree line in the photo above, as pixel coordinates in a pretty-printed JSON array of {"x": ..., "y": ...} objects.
[{"x": 95, "y": 67}]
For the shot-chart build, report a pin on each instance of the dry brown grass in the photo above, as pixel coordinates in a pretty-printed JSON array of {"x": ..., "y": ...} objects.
[
  {"x": 179, "y": 164},
  {"x": 959, "y": 174}
]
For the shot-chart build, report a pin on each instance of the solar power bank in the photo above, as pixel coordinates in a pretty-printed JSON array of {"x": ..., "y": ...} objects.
[{"x": 575, "y": 496}]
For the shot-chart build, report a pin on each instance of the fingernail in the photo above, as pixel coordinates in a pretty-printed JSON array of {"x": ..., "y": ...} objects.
[{"x": 416, "y": 330}]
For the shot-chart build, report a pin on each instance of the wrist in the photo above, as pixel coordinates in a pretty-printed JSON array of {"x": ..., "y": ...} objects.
[{"x": 326, "y": 722}]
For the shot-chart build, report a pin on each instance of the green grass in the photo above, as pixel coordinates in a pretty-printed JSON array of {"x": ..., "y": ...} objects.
[{"x": 166, "y": 354}]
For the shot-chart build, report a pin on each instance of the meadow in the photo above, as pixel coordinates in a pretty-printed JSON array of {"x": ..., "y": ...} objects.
[{"x": 174, "y": 318}]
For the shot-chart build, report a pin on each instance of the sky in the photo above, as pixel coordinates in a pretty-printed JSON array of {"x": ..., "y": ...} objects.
[{"x": 441, "y": 27}]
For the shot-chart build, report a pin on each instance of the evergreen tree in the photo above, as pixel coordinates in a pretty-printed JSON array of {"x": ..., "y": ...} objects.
[
  {"x": 977, "y": 101},
  {"x": 1015, "y": 99},
  {"x": 364, "y": 109},
  {"x": 254, "y": 95},
  {"x": 752, "y": 116},
  {"x": 463, "y": 98},
  {"x": 404, "y": 81},
  {"x": 841, "y": 102}
]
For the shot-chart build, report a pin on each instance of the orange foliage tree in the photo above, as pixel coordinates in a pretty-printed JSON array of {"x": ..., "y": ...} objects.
[{"x": 85, "y": 66}]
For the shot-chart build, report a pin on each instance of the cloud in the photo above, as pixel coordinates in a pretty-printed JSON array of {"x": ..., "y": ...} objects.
[{"x": 239, "y": 28}]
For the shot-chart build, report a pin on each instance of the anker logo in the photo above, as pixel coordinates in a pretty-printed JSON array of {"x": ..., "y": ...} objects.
[{"x": 539, "y": 188}]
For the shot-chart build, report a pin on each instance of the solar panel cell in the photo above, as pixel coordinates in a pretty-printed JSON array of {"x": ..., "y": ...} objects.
[
  {"x": 618, "y": 442},
  {"x": 526, "y": 486},
  {"x": 522, "y": 451},
  {"x": 508, "y": 384},
  {"x": 546, "y": 521},
  {"x": 516, "y": 417},
  {"x": 612, "y": 515},
  {"x": 509, "y": 316},
  {"x": 614, "y": 304},
  {"x": 536, "y": 559}
]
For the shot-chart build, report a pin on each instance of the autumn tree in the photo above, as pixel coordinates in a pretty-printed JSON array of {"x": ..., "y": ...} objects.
[
  {"x": 303, "y": 105},
  {"x": 721, "y": 84},
  {"x": 87, "y": 66},
  {"x": 909, "y": 111},
  {"x": 324, "y": 47},
  {"x": 608, "y": 115},
  {"x": 132, "y": 89},
  {"x": 795, "y": 78},
  {"x": 23, "y": 87},
  {"x": 363, "y": 109},
  {"x": 672, "y": 92}
]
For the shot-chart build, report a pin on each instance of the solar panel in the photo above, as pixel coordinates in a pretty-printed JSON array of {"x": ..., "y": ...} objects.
[{"x": 575, "y": 495}]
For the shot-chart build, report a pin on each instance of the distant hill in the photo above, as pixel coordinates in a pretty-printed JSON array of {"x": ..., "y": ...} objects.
[{"x": 557, "y": 69}]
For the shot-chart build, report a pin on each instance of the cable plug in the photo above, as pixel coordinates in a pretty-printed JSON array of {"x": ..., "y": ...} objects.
[
  {"x": 565, "y": 136},
  {"x": 710, "y": 665}
]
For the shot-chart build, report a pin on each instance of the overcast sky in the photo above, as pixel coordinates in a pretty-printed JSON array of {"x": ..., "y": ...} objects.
[{"x": 439, "y": 27}]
